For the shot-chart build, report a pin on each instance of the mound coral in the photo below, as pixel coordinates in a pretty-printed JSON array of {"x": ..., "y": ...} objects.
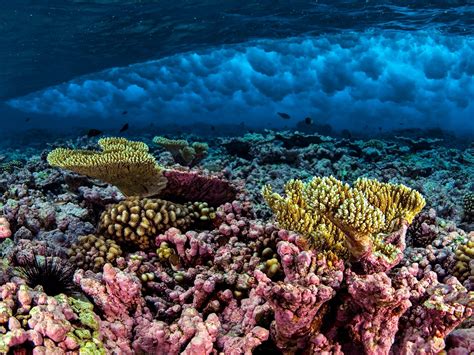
[
  {"x": 464, "y": 262},
  {"x": 92, "y": 252},
  {"x": 183, "y": 153},
  {"x": 360, "y": 221},
  {"x": 137, "y": 221},
  {"x": 123, "y": 163}
]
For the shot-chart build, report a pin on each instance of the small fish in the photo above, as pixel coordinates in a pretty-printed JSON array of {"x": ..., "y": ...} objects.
[
  {"x": 93, "y": 132},
  {"x": 124, "y": 112},
  {"x": 308, "y": 121},
  {"x": 124, "y": 128},
  {"x": 284, "y": 115},
  {"x": 27, "y": 119},
  {"x": 380, "y": 129},
  {"x": 213, "y": 128}
]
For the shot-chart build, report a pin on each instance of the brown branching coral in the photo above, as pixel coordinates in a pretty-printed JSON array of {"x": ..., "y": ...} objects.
[
  {"x": 183, "y": 153},
  {"x": 343, "y": 220},
  {"x": 123, "y": 163},
  {"x": 137, "y": 221}
]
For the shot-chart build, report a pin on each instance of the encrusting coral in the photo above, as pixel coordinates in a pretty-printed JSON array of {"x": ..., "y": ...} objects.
[
  {"x": 123, "y": 163},
  {"x": 343, "y": 220},
  {"x": 183, "y": 153},
  {"x": 137, "y": 221}
]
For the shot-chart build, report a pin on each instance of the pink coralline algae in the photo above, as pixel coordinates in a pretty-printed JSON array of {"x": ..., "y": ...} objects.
[
  {"x": 5, "y": 231},
  {"x": 436, "y": 309},
  {"x": 371, "y": 311},
  {"x": 51, "y": 325},
  {"x": 118, "y": 295},
  {"x": 299, "y": 301}
]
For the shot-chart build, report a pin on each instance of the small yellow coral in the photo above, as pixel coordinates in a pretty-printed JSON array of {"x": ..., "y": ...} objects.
[
  {"x": 123, "y": 163},
  {"x": 341, "y": 219}
]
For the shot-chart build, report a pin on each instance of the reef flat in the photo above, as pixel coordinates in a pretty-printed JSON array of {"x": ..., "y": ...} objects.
[{"x": 271, "y": 242}]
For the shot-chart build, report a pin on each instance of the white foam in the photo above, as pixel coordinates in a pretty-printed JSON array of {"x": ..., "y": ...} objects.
[{"x": 350, "y": 79}]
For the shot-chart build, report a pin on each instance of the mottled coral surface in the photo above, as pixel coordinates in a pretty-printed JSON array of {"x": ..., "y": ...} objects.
[{"x": 239, "y": 283}]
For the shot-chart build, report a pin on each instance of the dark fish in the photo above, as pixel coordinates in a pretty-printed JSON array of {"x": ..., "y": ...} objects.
[
  {"x": 380, "y": 129},
  {"x": 93, "y": 132},
  {"x": 27, "y": 119},
  {"x": 124, "y": 112},
  {"x": 284, "y": 115},
  {"x": 124, "y": 128},
  {"x": 213, "y": 128},
  {"x": 308, "y": 120}
]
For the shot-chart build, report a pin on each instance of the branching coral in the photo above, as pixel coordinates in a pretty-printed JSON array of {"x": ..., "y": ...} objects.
[
  {"x": 183, "y": 153},
  {"x": 123, "y": 163},
  {"x": 344, "y": 220},
  {"x": 137, "y": 221}
]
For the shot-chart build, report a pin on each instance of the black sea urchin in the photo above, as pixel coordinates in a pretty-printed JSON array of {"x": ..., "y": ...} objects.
[{"x": 54, "y": 274}]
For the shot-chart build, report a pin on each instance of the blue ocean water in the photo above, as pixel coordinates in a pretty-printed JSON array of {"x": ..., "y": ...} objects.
[{"x": 360, "y": 65}]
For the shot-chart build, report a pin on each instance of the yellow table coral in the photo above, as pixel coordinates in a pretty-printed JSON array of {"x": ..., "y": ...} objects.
[
  {"x": 123, "y": 163},
  {"x": 341, "y": 219}
]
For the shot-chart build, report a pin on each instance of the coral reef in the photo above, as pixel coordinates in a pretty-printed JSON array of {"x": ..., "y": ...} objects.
[{"x": 204, "y": 269}]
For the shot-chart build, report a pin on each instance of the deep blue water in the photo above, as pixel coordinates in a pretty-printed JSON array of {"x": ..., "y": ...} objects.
[{"x": 361, "y": 65}]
